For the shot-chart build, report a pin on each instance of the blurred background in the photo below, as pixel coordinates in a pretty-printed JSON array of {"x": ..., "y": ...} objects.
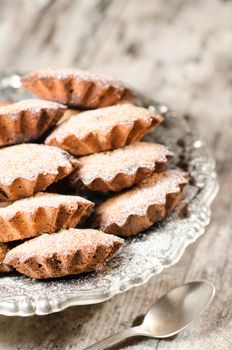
[
  {"x": 180, "y": 53},
  {"x": 177, "y": 51}
]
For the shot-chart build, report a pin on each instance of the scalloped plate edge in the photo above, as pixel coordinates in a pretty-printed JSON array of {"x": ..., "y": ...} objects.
[{"x": 29, "y": 307}]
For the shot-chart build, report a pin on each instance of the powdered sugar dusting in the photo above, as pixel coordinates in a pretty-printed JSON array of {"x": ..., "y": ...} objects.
[
  {"x": 102, "y": 119},
  {"x": 29, "y": 105},
  {"x": 127, "y": 160},
  {"x": 63, "y": 242},
  {"x": 69, "y": 73},
  {"x": 142, "y": 256},
  {"x": 30, "y": 160},
  {"x": 41, "y": 200},
  {"x": 152, "y": 191}
]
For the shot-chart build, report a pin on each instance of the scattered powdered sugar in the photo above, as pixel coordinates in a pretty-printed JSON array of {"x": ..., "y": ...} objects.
[
  {"x": 126, "y": 160},
  {"x": 142, "y": 256},
  {"x": 136, "y": 201},
  {"x": 29, "y": 160},
  {"x": 35, "y": 105},
  {"x": 64, "y": 243},
  {"x": 101, "y": 120},
  {"x": 42, "y": 199},
  {"x": 72, "y": 73}
]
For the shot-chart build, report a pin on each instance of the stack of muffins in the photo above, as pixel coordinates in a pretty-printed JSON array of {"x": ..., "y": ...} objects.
[{"x": 86, "y": 130}]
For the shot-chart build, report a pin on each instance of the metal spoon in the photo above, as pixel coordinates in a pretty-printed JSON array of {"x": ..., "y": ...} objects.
[{"x": 168, "y": 315}]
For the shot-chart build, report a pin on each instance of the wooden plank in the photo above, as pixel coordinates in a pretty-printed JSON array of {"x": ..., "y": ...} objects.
[{"x": 178, "y": 52}]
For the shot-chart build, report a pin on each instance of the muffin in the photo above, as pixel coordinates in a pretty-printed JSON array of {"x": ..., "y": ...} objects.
[
  {"x": 120, "y": 168},
  {"x": 68, "y": 252},
  {"x": 30, "y": 168},
  {"x": 76, "y": 88},
  {"x": 27, "y": 120},
  {"x": 103, "y": 129},
  {"x": 44, "y": 212},
  {"x": 135, "y": 210}
]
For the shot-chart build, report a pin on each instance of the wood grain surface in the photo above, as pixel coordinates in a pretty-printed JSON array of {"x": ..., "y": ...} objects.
[{"x": 179, "y": 52}]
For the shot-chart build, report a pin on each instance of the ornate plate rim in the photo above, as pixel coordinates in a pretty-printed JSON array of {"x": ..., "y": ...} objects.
[{"x": 28, "y": 306}]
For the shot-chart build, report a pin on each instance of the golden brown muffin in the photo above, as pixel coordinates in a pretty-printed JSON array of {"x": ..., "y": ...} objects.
[
  {"x": 76, "y": 88},
  {"x": 45, "y": 212},
  {"x": 103, "y": 129},
  {"x": 3, "y": 251},
  {"x": 133, "y": 211},
  {"x": 29, "y": 168},
  {"x": 27, "y": 120},
  {"x": 121, "y": 168},
  {"x": 67, "y": 252}
]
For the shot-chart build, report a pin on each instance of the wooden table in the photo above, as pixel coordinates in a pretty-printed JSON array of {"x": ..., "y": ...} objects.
[{"x": 180, "y": 53}]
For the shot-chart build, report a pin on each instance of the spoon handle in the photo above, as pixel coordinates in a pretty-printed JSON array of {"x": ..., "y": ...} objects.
[{"x": 116, "y": 338}]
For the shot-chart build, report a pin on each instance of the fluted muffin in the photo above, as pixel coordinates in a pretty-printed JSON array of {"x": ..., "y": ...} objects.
[
  {"x": 120, "y": 168},
  {"x": 44, "y": 212},
  {"x": 27, "y": 120},
  {"x": 135, "y": 210},
  {"x": 76, "y": 87},
  {"x": 68, "y": 252},
  {"x": 103, "y": 129},
  {"x": 30, "y": 168}
]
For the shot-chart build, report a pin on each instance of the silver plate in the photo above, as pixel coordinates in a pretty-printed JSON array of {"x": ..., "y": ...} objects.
[{"x": 143, "y": 256}]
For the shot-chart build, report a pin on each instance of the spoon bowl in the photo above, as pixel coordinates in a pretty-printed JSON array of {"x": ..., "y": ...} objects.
[
  {"x": 177, "y": 309},
  {"x": 168, "y": 315}
]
